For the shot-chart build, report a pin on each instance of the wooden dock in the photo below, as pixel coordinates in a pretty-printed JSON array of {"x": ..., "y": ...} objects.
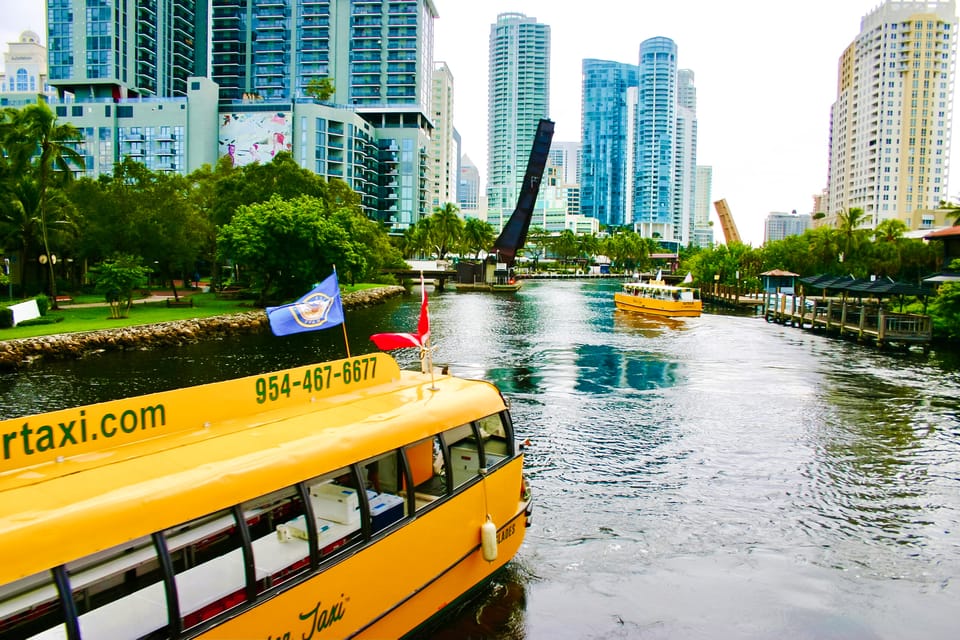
[
  {"x": 731, "y": 296},
  {"x": 846, "y": 318}
]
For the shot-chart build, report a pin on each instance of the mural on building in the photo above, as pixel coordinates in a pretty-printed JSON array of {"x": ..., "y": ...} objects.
[{"x": 254, "y": 137}]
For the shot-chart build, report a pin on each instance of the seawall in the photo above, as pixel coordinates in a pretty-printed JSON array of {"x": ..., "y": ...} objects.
[{"x": 21, "y": 353}]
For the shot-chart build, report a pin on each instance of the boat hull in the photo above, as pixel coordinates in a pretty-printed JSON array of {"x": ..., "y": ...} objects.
[{"x": 664, "y": 308}]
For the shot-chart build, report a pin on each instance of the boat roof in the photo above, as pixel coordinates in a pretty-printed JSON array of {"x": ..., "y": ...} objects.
[
  {"x": 104, "y": 497},
  {"x": 656, "y": 284}
]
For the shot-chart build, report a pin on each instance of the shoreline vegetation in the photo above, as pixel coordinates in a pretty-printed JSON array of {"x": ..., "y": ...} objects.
[{"x": 21, "y": 353}]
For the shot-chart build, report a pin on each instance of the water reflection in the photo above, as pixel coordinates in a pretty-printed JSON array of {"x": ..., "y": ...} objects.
[{"x": 714, "y": 477}]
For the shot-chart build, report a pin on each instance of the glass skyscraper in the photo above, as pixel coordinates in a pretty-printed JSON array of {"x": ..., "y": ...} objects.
[
  {"x": 604, "y": 182},
  {"x": 125, "y": 48},
  {"x": 656, "y": 137},
  {"x": 519, "y": 96},
  {"x": 377, "y": 53}
]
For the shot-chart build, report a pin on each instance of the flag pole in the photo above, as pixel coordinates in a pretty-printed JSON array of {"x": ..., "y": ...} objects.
[
  {"x": 343, "y": 324},
  {"x": 426, "y": 355}
]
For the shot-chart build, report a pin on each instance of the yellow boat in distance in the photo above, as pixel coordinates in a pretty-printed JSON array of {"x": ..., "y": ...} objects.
[
  {"x": 655, "y": 297},
  {"x": 346, "y": 499}
]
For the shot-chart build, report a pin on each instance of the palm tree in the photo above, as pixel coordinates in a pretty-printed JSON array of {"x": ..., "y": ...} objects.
[
  {"x": 566, "y": 245},
  {"x": 416, "y": 239},
  {"x": 890, "y": 230},
  {"x": 477, "y": 236},
  {"x": 848, "y": 222},
  {"x": 38, "y": 157},
  {"x": 446, "y": 227}
]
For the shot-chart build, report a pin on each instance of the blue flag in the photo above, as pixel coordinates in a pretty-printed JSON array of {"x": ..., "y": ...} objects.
[{"x": 319, "y": 309}]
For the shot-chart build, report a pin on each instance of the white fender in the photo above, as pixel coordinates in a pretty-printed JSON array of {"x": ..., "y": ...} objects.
[{"x": 488, "y": 540}]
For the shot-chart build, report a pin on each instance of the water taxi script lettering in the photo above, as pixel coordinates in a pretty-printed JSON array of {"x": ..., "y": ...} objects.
[
  {"x": 28, "y": 439},
  {"x": 319, "y": 618}
]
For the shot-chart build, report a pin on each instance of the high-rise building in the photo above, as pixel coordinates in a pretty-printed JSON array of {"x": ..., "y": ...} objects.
[
  {"x": 778, "y": 226},
  {"x": 604, "y": 182},
  {"x": 567, "y": 156},
  {"x": 685, "y": 174},
  {"x": 468, "y": 188},
  {"x": 890, "y": 126},
  {"x": 375, "y": 57},
  {"x": 702, "y": 231},
  {"x": 126, "y": 48},
  {"x": 656, "y": 140},
  {"x": 518, "y": 96},
  {"x": 443, "y": 151},
  {"x": 377, "y": 53},
  {"x": 345, "y": 86},
  {"x": 564, "y": 158}
]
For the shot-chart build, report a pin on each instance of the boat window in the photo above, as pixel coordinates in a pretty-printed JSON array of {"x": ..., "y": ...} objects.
[
  {"x": 493, "y": 433},
  {"x": 464, "y": 455},
  {"x": 30, "y": 606},
  {"x": 119, "y": 592},
  {"x": 335, "y": 503},
  {"x": 386, "y": 477},
  {"x": 278, "y": 532},
  {"x": 428, "y": 470},
  {"x": 208, "y": 565}
]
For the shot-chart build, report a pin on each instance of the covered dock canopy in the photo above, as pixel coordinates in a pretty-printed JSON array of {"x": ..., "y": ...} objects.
[{"x": 876, "y": 287}]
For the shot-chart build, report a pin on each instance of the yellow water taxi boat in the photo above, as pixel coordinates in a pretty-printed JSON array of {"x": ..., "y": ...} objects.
[
  {"x": 346, "y": 499},
  {"x": 655, "y": 297}
]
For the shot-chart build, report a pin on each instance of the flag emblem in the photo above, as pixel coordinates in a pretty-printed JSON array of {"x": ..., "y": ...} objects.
[
  {"x": 319, "y": 309},
  {"x": 311, "y": 311}
]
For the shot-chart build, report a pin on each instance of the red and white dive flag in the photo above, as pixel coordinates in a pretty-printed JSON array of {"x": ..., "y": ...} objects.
[{"x": 388, "y": 341}]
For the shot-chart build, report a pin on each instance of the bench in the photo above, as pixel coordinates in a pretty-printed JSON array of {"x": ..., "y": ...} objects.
[
  {"x": 230, "y": 294},
  {"x": 183, "y": 302},
  {"x": 65, "y": 299}
]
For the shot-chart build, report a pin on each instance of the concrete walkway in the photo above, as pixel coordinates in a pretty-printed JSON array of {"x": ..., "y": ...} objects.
[{"x": 155, "y": 296}]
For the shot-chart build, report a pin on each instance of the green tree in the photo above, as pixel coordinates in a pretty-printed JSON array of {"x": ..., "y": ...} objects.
[
  {"x": 259, "y": 182},
  {"x": 37, "y": 159},
  {"x": 321, "y": 89},
  {"x": 566, "y": 245},
  {"x": 145, "y": 213},
  {"x": 790, "y": 254},
  {"x": 416, "y": 239},
  {"x": 446, "y": 229},
  {"x": 287, "y": 245},
  {"x": 945, "y": 308},
  {"x": 116, "y": 279},
  {"x": 848, "y": 223},
  {"x": 627, "y": 250},
  {"x": 477, "y": 236},
  {"x": 883, "y": 255},
  {"x": 824, "y": 244},
  {"x": 537, "y": 245}
]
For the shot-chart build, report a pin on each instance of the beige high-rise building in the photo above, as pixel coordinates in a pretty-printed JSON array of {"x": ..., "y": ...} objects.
[
  {"x": 890, "y": 127},
  {"x": 443, "y": 153}
]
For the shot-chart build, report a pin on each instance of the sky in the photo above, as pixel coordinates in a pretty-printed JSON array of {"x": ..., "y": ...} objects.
[{"x": 765, "y": 74}]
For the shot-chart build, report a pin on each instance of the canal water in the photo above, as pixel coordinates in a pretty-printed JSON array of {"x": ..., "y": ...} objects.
[{"x": 718, "y": 477}]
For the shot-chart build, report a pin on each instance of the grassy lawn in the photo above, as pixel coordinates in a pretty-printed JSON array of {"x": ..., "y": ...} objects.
[{"x": 94, "y": 318}]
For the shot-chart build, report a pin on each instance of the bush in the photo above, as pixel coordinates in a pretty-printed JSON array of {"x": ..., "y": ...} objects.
[
  {"x": 6, "y": 318},
  {"x": 43, "y": 303},
  {"x": 40, "y": 321}
]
